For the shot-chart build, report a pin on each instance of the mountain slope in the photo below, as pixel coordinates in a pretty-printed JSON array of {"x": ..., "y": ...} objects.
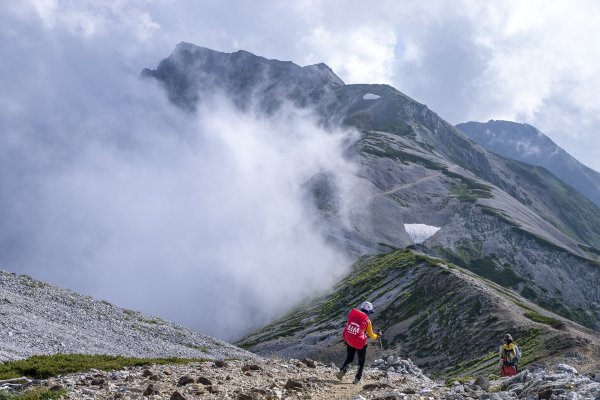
[
  {"x": 495, "y": 214},
  {"x": 525, "y": 143},
  {"x": 37, "y": 318},
  {"x": 446, "y": 319}
]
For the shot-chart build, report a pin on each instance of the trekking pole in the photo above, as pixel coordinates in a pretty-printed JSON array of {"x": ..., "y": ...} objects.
[{"x": 380, "y": 341}]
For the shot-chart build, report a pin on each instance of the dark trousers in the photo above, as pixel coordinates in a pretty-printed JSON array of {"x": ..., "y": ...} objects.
[{"x": 362, "y": 355}]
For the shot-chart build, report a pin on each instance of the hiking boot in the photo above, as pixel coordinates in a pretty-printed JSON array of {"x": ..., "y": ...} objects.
[
  {"x": 340, "y": 375},
  {"x": 356, "y": 381}
]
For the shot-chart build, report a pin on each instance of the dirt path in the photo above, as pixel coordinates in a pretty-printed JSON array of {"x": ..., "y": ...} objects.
[
  {"x": 342, "y": 390},
  {"x": 398, "y": 188}
]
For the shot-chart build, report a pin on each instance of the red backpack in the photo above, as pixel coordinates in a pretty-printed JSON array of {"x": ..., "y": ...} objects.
[{"x": 354, "y": 332}]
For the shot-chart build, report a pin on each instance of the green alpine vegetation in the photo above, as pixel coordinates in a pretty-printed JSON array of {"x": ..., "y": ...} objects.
[
  {"x": 35, "y": 394},
  {"x": 46, "y": 366}
]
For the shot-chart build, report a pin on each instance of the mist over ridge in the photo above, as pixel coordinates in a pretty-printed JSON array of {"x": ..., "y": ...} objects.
[{"x": 110, "y": 190}]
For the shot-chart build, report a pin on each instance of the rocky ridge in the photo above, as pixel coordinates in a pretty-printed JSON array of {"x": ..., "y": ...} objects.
[
  {"x": 37, "y": 318},
  {"x": 274, "y": 379}
]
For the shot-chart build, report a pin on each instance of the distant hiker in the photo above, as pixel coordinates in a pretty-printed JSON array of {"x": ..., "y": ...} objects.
[
  {"x": 356, "y": 340},
  {"x": 510, "y": 355}
]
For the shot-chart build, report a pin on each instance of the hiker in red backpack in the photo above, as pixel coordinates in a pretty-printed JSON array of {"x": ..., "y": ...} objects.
[
  {"x": 510, "y": 355},
  {"x": 356, "y": 340}
]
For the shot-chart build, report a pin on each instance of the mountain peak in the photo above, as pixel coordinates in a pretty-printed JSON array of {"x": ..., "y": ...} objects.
[
  {"x": 192, "y": 72},
  {"x": 525, "y": 143}
]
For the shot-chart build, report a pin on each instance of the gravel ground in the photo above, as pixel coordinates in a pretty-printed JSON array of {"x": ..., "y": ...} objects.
[{"x": 36, "y": 318}]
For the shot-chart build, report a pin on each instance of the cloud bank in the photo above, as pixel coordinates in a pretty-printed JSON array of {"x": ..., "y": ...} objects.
[{"x": 110, "y": 190}]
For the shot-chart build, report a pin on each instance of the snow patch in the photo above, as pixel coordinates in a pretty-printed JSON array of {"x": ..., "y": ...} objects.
[
  {"x": 370, "y": 96},
  {"x": 420, "y": 232}
]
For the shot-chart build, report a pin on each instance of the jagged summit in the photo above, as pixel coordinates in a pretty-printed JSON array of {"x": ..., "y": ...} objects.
[{"x": 191, "y": 72}]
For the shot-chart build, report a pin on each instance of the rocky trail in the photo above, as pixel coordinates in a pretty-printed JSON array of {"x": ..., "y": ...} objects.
[{"x": 270, "y": 379}]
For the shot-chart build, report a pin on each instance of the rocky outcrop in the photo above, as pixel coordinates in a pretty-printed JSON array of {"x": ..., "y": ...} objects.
[{"x": 36, "y": 318}]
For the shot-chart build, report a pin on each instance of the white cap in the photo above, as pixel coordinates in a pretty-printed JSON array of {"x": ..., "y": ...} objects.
[{"x": 366, "y": 306}]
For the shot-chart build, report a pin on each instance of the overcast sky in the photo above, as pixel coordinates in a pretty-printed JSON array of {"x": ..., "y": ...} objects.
[
  {"x": 529, "y": 61},
  {"x": 71, "y": 104}
]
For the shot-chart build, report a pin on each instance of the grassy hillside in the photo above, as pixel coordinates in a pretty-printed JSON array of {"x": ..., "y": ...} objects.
[{"x": 448, "y": 320}]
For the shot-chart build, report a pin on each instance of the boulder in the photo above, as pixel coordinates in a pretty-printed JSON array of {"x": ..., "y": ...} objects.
[
  {"x": 250, "y": 367},
  {"x": 184, "y": 380},
  {"x": 203, "y": 380},
  {"x": 179, "y": 396},
  {"x": 213, "y": 389},
  {"x": 309, "y": 363},
  {"x": 98, "y": 381},
  {"x": 220, "y": 364},
  {"x": 482, "y": 383},
  {"x": 293, "y": 385},
  {"x": 151, "y": 390},
  {"x": 545, "y": 394}
]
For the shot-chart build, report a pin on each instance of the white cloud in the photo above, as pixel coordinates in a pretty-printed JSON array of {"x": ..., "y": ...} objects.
[
  {"x": 110, "y": 190},
  {"x": 541, "y": 68},
  {"x": 358, "y": 55}
]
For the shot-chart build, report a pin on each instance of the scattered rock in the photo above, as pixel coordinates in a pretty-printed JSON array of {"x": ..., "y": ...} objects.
[
  {"x": 147, "y": 373},
  {"x": 309, "y": 363},
  {"x": 250, "y": 367},
  {"x": 203, "y": 380},
  {"x": 179, "y": 396},
  {"x": 566, "y": 368},
  {"x": 375, "y": 386},
  {"x": 184, "y": 380},
  {"x": 482, "y": 383},
  {"x": 213, "y": 389},
  {"x": 151, "y": 390},
  {"x": 293, "y": 385},
  {"x": 220, "y": 364},
  {"x": 98, "y": 381},
  {"x": 545, "y": 394}
]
